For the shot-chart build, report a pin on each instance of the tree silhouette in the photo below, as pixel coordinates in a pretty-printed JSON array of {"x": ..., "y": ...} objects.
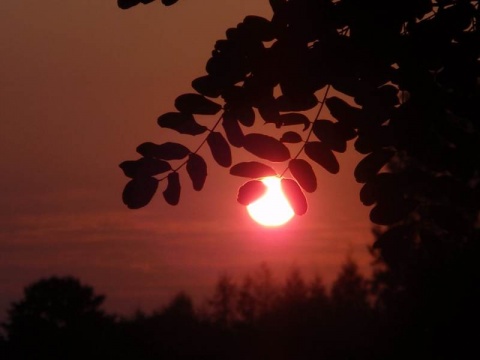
[{"x": 57, "y": 318}]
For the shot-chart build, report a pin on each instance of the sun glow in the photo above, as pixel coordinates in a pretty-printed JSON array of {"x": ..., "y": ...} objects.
[{"x": 273, "y": 208}]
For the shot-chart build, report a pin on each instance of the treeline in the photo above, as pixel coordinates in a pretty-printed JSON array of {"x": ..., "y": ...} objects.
[{"x": 256, "y": 317}]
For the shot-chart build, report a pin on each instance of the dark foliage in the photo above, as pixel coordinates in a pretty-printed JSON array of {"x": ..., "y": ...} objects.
[
  {"x": 256, "y": 318},
  {"x": 407, "y": 73},
  {"x": 58, "y": 318},
  {"x": 400, "y": 80}
]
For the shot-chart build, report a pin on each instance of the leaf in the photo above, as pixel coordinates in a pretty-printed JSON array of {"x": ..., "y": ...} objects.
[
  {"x": 250, "y": 192},
  {"x": 388, "y": 213},
  {"x": 345, "y": 131},
  {"x": 299, "y": 103},
  {"x": 246, "y": 116},
  {"x": 302, "y": 172},
  {"x": 371, "y": 164},
  {"x": 208, "y": 85},
  {"x": 252, "y": 169},
  {"x": 260, "y": 27},
  {"x": 220, "y": 149},
  {"x": 126, "y": 4},
  {"x": 268, "y": 111},
  {"x": 232, "y": 130},
  {"x": 165, "y": 151},
  {"x": 196, "y": 104},
  {"x": 291, "y": 137},
  {"x": 320, "y": 153},
  {"x": 197, "y": 170},
  {"x": 144, "y": 167},
  {"x": 168, "y": 2},
  {"x": 266, "y": 147},
  {"x": 183, "y": 123},
  {"x": 172, "y": 193},
  {"x": 295, "y": 196},
  {"x": 327, "y": 132},
  {"x": 367, "y": 194},
  {"x": 295, "y": 119},
  {"x": 344, "y": 112},
  {"x": 381, "y": 186},
  {"x": 138, "y": 192}
]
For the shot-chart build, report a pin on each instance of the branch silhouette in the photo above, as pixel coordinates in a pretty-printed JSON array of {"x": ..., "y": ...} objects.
[{"x": 400, "y": 80}]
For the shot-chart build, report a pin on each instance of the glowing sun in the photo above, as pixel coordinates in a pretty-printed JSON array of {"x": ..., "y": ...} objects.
[{"x": 273, "y": 208}]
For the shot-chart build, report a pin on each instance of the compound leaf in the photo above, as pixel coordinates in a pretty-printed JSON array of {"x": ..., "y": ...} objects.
[
  {"x": 196, "y": 104},
  {"x": 220, "y": 149},
  {"x": 302, "y": 172},
  {"x": 139, "y": 191},
  {"x": 144, "y": 167},
  {"x": 295, "y": 196},
  {"x": 252, "y": 169},
  {"x": 250, "y": 192},
  {"x": 165, "y": 151},
  {"x": 291, "y": 137},
  {"x": 371, "y": 164},
  {"x": 266, "y": 147},
  {"x": 321, "y": 154},
  {"x": 172, "y": 193},
  {"x": 197, "y": 170},
  {"x": 181, "y": 122}
]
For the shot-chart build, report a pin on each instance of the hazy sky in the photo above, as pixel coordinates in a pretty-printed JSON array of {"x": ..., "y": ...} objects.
[{"x": 82, "y": 84}]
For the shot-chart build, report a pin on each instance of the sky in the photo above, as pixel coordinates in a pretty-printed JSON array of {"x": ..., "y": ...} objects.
[{"x": 81, "y": 85}]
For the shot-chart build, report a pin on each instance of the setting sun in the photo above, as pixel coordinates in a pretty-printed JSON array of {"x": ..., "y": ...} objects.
[{"x": 273, "y": 208}]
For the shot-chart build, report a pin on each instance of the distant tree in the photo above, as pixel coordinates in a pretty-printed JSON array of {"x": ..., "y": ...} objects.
[
  {"x": 58, "y": 318},
  {"x": 350, "y": 291},
  {"x": 222, "y": 305}
]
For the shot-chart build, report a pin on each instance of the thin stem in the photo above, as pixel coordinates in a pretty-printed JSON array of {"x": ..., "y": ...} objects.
[
  {"x": 197, "y": 149},
  {"x": 322, "y": 104}
]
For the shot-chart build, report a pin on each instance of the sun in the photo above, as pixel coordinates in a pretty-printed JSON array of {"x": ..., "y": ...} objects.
[{"x": 273, "y": 208}]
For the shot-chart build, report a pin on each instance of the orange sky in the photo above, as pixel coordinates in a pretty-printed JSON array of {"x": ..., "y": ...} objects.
[{"x": 81, "y": 85}]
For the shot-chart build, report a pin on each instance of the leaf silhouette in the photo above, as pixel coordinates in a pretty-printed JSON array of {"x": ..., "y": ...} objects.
[
  {"x": 371, "y": 164},
  {"x": 295, "y": 196},
  {"x": 165, "y": 151},
  {"x": 269, "y": 111},
  {"x": 344, "y": 112},
  {"x": 252, "y": 169},
  {"x": 220, "y": 149},
  {"x": 266, "y": 147},
  {"x": 172, "y": 193},
  {"x": 138, "y": 192},
  {"x": 295, "y": 119},
  {"x": 328, "y": 133},
  {"x": 246, "y": 116},
  {"x": 144, "y": 167},
  {"x": 321, "y": 154},
  {"x": 208, "y": 85},
  {"x": 298, "y": 103},
  {"x": 166, "y": 2},
  {"x": 302, "y": 172},
  {"x": 291, "y": 137},
  {"x": 259, "y": 27},
  {"x": 232, "y": 130},
  {"x": 250, "y": 192},
  {"x": 367, "y": 194},
  {"x": 196, "y": 104},
  {"x": 197, "y": 170},
  {"x": 388, "y": 213},
  {"x": 127, "y": 4},
  {"x": 183, "y": 123}
]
